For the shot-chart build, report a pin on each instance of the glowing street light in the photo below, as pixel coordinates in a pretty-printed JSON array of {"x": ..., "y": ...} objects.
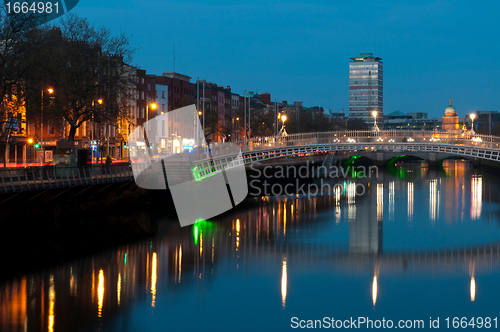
[
  {"x": 472, "y": 117},
  {"x": 282, "y": 131},
  {"x": 51, "y": 91},
  {"x": 374, "y": 114}
]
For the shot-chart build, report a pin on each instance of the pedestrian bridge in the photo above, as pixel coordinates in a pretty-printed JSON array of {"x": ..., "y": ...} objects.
[{"x": 380, "y": 146}]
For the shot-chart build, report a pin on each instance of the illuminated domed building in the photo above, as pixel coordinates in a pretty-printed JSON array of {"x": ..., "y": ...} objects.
[{"x": 450, "y": 119}]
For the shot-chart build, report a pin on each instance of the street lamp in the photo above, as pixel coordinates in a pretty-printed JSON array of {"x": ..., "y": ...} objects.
[
  {"x": 153, "y": 107},
  {"x": 472, "y": 117},
  {"x": 49, "y": 90},
  {"x": 282, "y": 130},
  {"x": 374, "y": 114}
]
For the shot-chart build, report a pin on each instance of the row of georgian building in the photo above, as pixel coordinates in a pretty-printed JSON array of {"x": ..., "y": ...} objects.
[{"x": 168, "y": 91}]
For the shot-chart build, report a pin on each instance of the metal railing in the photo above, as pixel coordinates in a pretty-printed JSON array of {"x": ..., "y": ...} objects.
[
  {"x": 41, "y": 178},
  {"x": 366, "y": 136}
]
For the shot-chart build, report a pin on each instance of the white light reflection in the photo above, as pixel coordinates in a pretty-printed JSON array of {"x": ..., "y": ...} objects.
[
  {"x": 476, "y": 197},
  {"x": 410, "y": 201},
  {"x": 472, "y": 289},
  {"x": 374, "y": 290},
  {"x": 391, "y": 201},
  {"x": 433, "y": 200},
  {"x": 380, "y": 201},
  {"x": 283, "y": 283},
  {"x": 351, "y": 207},
  {"x": 338, "y": 192}
]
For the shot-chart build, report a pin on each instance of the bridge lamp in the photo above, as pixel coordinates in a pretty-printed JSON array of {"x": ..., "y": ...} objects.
[
  {"x": 283, "y": 118},
  {"x": 200, "y": 113},
  {"x": 472, "y": 117},
  {"x": 374, "y": 114}
]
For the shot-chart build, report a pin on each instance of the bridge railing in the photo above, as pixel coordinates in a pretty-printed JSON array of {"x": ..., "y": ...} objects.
[
  {"x": 367, "y": 136},
  {"x": 40, "y": 178}
]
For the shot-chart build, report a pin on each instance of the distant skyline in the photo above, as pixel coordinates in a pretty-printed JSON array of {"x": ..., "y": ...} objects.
[{"x": 431, "y": 51}]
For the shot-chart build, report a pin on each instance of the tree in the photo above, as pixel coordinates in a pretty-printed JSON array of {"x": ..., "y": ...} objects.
[
  {"x": 18, "y": 49},
  {"x": 84, "y": 65},
  {"x": 357, "y": 124}
]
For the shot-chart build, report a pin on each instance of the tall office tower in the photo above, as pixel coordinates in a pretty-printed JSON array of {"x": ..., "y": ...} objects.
[{"x": 366, "y": 88}]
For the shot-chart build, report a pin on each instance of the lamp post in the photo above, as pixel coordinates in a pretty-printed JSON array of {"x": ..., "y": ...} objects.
[
  {"x": 153, "y": 107},
  {"x": 375, "y": 127},
  {"x": 282, "y": 131},
  {"x": 472, "y": 117},
  {"x": 49, "y": 90},
  {"x": 200, "y": 139}
]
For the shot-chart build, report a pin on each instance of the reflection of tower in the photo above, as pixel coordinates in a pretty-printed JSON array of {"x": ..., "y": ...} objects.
[{"x": 366, "y": 231}]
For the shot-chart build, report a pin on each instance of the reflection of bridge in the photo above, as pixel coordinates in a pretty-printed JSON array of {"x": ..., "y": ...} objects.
[{"x": 380, "y": 146}]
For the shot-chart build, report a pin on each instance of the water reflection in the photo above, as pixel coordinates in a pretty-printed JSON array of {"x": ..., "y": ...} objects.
[
  {"x": 374, "y": 290},
  {"x": 476, "y": 199},
  {"x": 433, "y": 200},
  {"x": 380, "y": 201},
  {"x": 283, "y": 283},
  {"x": 410, "y": 202},
  {"x": 280, "y": 238},
  {"x": 153, "y": 279},
  {"x": 472, "y": 289},
  {"x": 391, "y": 201},
  {"x": 100, "y": 292}
]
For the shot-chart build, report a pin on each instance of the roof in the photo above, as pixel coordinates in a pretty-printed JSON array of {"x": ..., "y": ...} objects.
[{"x": 396, "y": 113}]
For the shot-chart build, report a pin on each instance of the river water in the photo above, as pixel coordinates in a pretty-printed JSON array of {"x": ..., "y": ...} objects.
[{"x": 419, "y": 244}]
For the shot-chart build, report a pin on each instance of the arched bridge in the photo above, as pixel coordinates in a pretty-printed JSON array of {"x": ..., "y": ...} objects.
[{"x": 379, "y": 146}]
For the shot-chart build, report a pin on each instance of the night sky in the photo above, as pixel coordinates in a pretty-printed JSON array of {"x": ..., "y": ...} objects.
[{"x": 432, "y": 50}]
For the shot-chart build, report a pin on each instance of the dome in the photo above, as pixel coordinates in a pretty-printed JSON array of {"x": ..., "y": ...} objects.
[{"x": 450, "y": 110}]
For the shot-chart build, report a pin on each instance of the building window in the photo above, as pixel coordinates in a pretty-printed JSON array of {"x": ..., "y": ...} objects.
[
  {"x": 142, "y": 95},
  {"x": 163, "y": 94},
  {"x": 163, "y": 108},
  {"x": 149, "y": 87}
]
